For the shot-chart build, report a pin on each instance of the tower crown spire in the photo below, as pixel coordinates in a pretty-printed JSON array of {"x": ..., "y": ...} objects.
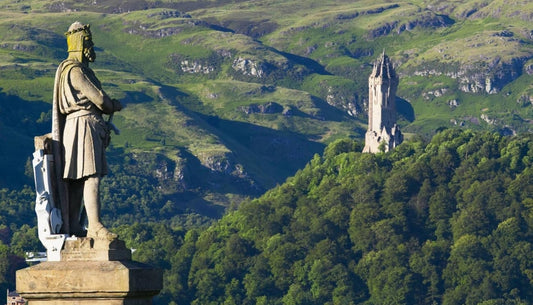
[{"x": 383, "y": 67}]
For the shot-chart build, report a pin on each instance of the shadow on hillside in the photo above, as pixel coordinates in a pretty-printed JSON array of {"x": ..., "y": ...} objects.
[
  {"x": 135, "y": 97},
  {"x": 254, "y": 29},
  {"x": 138, "y": 174},
  {"x": 328, "y": 112},
  {"x": 309, "y": 63},
  {"x": 20, "y": 122},
  {"x": 405, "y": 110},
  {"x": 268, "y": 155}
]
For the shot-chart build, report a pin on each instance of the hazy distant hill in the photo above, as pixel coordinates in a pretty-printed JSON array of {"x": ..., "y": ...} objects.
[{"x": 225, "y": 99}]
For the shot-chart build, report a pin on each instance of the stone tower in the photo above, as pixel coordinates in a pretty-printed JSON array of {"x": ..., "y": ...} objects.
[{"x": 383, "y": 134}]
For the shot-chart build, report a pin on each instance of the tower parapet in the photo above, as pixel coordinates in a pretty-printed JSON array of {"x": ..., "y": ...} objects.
[{"x": 383, "y": 133}]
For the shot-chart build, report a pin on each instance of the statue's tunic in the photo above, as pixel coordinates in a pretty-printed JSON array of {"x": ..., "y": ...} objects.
[{"x": 85, "y": 135}]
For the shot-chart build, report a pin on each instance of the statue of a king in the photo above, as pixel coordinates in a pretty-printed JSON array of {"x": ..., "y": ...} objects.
[{"x": 80, "y": 135}]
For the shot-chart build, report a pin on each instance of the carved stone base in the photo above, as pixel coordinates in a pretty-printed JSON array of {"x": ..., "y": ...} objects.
[
  {"x": 89, "y": 282},
  {"x": 89, "y": 249}
]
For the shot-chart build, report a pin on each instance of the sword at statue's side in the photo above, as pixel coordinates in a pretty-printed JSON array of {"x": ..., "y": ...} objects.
[{"x": 112, "y": 126}]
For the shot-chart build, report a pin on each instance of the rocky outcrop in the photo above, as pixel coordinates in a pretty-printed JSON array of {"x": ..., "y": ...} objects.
[
  {"x": 453, "y": 103},
  {"x": 60, "y": 6},
  {"x": 186, "y": 171},
  {"x": 525, "y": 100},
  {"x": 169, "y": 14},
  {"x": 19, "y": 47},
  {"x": 195, "y": 66},
  {"x": 181, "y": 173},
  {"x": 426, "y": 19},
  {"x": 347, "y": 103},
  {"x": 429, "y": 95},
  {"x": 173, "y": 28},
  {"x": 267, "y": 108},
  {"x": 491, "y": 78},
  {"x": 488, "y": 120},
  {"x": 378, "y": 10},
  {"x": 528, "y": 68},
  {"x": 217, "y": 162},
  {"x": 221, "y": 162},
  {"x": 272, "y": 66},
  {"x": 225, "y": 172},
  {"x": 477, "y": 77},
  {"x": 209, "y": 65},
  {"x": 170, "y": 174},
  {"x": 249, "y": 67}
]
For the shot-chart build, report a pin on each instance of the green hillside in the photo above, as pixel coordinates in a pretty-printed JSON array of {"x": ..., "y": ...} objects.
[
  {"x": 444, "y": 222},
  {"x": 247, "y": 92}
]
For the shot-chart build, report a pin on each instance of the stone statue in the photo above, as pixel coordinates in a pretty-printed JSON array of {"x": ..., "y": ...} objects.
[
  {"x": 80, "y": 136},
  {"x": 68, "y": 164}
]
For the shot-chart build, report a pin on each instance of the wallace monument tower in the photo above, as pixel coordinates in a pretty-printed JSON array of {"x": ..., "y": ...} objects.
[{"x": 383, "y": 134}]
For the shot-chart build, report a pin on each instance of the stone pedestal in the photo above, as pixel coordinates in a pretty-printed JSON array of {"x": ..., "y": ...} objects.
[
  {"x": 89, "y": 249},
  {"x": 88, "y": 275}
]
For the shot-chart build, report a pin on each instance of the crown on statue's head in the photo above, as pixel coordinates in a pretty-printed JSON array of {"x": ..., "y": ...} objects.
[{"x": 76, "y": 35}]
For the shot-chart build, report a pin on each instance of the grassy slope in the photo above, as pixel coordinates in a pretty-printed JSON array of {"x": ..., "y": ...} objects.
[
  {"x": 169, "y": 110},
  {"x": 154, "y": 119}
]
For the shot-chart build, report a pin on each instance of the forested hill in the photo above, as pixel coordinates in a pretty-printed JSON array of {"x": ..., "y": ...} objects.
[{"x": 445, "y": 222}]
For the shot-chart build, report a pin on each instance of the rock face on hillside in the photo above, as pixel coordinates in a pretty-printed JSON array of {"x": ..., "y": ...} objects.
[
  {"x": 249, "y": 67},
  {"x": 347, "y": 103},
  {"x": 218, "y": 162},
  {"x": 478, "y": 77},
  {"x": 195, "y": 66},
  {"x": 226, "y": 172},
  {"x": 425, "y": 19},
  {"x": 490, "y": 61},
  {"x": 170, "y": 174},
  {"x": 186, "y": 171},
  {"x": 267, "y": 108}
]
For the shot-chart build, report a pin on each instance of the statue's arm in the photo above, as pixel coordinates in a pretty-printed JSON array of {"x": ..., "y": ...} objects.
[{"x": 97, "y": 96}]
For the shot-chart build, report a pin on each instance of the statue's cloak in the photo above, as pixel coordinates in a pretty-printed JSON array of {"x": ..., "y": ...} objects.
[{"x": 60, "y": 187}]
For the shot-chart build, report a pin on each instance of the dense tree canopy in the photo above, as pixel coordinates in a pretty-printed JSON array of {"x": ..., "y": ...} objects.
[{"x": 445, "y": 222}]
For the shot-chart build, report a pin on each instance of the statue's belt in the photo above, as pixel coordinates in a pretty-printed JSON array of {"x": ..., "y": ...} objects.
[{"x": 83, "y": 112}]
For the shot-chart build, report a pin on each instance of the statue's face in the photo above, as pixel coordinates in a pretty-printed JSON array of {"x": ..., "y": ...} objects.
[{"x": 88, "y": 49}]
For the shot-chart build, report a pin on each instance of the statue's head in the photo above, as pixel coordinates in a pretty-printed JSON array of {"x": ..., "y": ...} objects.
[{"x": 80, "y": 43}]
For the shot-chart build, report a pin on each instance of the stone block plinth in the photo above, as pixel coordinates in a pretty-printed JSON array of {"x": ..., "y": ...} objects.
[
  {"x": 89, "y": 283},
  {"x": 90, "y": 249}
]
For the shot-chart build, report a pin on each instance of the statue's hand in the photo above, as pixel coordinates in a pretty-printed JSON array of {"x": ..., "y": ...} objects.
[{"x": 117, "y": 105}]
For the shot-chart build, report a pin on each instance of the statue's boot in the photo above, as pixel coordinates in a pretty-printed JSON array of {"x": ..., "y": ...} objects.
[{"x": 98, "y": 231}]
